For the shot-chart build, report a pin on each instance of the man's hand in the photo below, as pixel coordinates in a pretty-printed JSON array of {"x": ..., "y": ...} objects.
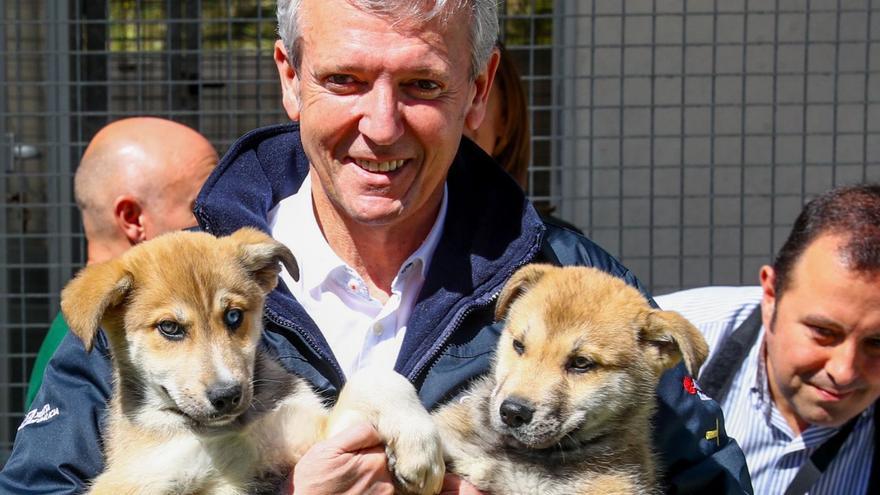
[
  {"x": 350, "y": 462},
  {"x": 453, "y": 485}
]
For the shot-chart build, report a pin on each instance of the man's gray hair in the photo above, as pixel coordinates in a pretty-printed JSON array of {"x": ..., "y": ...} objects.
[{"x": 483, "y": 32}]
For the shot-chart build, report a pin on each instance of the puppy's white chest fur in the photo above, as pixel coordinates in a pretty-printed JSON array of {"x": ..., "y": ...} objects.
[
  {"x": 194, "y": 461},
  {"x": 187, "y": 464}
]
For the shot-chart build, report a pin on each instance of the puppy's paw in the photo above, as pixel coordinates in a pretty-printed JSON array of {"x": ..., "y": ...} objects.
[
  {"x": 412, "y": 440},
  {"x": 415, "y": 456}
]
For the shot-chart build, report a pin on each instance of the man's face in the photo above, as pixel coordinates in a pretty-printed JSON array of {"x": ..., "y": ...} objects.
[
  {"x": 823, "y": 346},
  {"x": 381, "y": 109}
]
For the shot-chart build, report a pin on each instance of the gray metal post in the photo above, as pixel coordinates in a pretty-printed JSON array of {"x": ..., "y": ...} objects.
[
  {"x": 6, "y": 159},
  {"x": 58, "y": 133}
]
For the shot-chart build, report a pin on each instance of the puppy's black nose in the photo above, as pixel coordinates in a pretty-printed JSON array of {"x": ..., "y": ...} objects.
[
  {"x": 225, "y": 397},
  {"x": 516, "y": 413}
]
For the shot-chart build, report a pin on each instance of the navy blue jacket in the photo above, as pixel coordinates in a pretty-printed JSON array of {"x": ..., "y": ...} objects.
[{"x": 490, "y": 231}]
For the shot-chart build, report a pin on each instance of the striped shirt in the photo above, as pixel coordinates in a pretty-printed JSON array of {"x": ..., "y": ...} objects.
[{"x": 773, "y": 452}]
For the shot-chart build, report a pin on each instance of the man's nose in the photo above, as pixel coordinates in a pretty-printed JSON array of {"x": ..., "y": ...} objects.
[
  {"x": 842, "y": 364},
  {"x": 380, "y": 116}
]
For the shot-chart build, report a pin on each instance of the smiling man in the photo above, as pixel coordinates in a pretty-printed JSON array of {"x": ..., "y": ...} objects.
[
  {"x": 379, "y": 124},
  {"x": 404, "y": 233},
  {"x": 807, "y": 376}
]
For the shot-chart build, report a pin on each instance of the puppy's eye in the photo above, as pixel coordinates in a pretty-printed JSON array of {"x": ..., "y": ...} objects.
[
  {"x": 519, "y": 347},
  {"x": 233, "y": 318},
  {"x": 580, "y": 364},
  {"x": 171, "y": 330}
]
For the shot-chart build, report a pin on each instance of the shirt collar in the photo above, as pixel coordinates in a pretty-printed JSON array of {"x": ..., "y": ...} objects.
[
  {"x": 761, "y": 387},
  {"x": 421, "y": 258},
  {"x": 320, "y": 265}
]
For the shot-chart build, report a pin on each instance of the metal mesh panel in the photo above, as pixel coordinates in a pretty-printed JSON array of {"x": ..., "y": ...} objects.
[
  {"x": 69, "y": 68},
  {"x": 683, "y": 136},
  {"x": 689, "y": 134}
]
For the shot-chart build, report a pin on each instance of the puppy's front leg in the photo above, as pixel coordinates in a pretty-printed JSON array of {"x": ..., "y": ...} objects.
[
  {"x": 284, "y": 434},
  {"x": 389, "y": 402}
]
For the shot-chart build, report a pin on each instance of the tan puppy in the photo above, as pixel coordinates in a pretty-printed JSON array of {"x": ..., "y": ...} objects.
[
  {"x": 196, "y": 408},
  {"x": 567, "y": 407}
]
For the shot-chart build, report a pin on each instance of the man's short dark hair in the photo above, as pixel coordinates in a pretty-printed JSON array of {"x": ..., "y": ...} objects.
[{"x": 852, "y": 212}]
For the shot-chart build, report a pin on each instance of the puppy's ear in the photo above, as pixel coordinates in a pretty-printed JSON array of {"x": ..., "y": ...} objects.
[
  {"x": 521, "y": 281},
  {"x": 673, "y": 338},
  {"x": 87, "y": 298},
  {"x": 259, "y": 254}
]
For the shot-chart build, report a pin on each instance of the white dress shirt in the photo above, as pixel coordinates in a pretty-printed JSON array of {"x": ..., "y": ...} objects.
[
  {"x": 361, "y": 331},
  {"x": 774, "y": 454}
]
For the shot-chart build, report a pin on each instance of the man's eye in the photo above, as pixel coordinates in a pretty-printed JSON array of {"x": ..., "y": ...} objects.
[
  {"x": 823, "y": 335},
  {"x": 873, "y": 344},
  {"x": 824, "y": 332},
  {"x": 340, "y": 79},
  {"x": 425, "y": 88},
  {"x": 427, "y": 85}
]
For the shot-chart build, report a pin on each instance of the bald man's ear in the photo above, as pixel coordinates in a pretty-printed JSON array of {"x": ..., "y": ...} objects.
[{"x": 128, "y": 215}]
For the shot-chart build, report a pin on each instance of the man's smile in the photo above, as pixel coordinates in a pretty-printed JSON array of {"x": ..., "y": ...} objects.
[
  {"x": 829, "y": 395},
  {"x": 377, "y": 166}
]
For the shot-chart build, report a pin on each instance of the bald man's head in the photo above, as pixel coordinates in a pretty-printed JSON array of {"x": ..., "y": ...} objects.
[{"x": 137, "y": 179}]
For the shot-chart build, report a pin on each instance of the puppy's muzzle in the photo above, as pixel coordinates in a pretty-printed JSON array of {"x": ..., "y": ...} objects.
[
  {"x": 516, "y": 412},
  {"x": 225, "y": 397}
]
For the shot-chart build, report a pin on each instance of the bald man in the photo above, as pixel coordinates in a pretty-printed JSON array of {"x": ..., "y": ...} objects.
[{"x": 138, "y": 178}]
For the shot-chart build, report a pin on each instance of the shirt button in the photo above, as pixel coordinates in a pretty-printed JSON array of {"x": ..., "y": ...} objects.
[{"x": 377, "y": 329}]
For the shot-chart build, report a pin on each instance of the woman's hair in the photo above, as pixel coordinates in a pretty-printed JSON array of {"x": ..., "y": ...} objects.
[{"x": 513, "y": 149}]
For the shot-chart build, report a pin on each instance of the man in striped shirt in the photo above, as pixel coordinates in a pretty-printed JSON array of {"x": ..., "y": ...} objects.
[{"x": 812, "y": 369}]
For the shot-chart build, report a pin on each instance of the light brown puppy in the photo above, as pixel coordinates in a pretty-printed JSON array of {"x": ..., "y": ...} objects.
[
  {"x": 197, "y": 408},
  {"x": 567, "y": 407}
]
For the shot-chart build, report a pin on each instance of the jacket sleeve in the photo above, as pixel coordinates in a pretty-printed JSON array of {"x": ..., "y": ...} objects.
[
  {"x": 696, "y": 455},
  {"x": 58, "y": 446}
]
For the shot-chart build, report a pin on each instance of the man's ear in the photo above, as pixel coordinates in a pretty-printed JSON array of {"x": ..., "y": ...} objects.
[
  {"x": 524, "y": 279},
  {"x": 483, "y": 82},
  {"x": 768, "y": 295},
  {"x": 128, "y": 215},
  {"x": 96, "y": 290},
  {"x": 289, "y": 81}
]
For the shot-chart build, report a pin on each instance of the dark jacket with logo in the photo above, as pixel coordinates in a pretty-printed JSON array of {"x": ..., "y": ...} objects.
[{"x": 490, "y": 231}]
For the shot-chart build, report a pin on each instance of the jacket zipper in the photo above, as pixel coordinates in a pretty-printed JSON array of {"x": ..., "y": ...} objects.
[
  {"x": 290, "y": 326},
  {"x": 462, "y": 314}
]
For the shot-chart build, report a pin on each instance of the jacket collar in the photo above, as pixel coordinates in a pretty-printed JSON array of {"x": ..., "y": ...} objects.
[{"x": 490, "y": 230}]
